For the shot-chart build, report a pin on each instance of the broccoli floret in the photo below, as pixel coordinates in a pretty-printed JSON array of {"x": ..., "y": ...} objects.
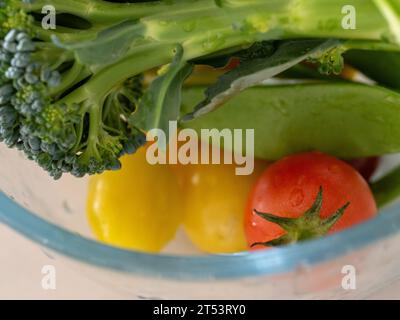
[{"x": 85, "y": 134}]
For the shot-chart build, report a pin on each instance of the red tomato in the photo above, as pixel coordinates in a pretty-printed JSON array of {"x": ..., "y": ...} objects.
[{"x": 289, "y": 187}]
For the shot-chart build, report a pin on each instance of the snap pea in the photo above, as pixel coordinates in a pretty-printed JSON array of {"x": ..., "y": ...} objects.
[
  {"x": 380, "y": 66},
  {"x": 346, "y": 120},
  {"x": 387, "y": 189}
]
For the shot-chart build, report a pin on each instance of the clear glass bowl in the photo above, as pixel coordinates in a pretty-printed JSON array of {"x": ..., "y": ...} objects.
[{"x": 52, "y": 215}]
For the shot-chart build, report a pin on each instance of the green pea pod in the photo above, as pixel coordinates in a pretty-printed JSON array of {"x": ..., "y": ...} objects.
[
  {"x": 387, "y": 189},
  {"x": 343, "y": 119},
  {"x": 383, "y": 67}
]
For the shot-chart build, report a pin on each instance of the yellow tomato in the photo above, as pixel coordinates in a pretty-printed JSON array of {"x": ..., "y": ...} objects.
[
  {"x": 138, "y": 207},
  {"x": 215, "y": 205}
]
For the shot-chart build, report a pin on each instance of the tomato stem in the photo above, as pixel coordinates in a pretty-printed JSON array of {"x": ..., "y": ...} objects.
[{"x": 306, "y": 227}]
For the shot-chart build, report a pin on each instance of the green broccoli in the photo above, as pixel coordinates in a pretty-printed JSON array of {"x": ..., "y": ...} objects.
[
  {"x": 72, "y": 100},
  {"x": 83, "y": 133}
]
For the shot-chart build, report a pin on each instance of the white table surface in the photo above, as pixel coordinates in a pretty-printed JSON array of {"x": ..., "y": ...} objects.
[{"x": 21, "y": 263}]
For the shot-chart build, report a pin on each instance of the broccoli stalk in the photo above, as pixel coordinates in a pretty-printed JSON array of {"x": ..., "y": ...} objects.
[
  {"x": 69, "y": 97},
  {"x": 99, "y": 11}
]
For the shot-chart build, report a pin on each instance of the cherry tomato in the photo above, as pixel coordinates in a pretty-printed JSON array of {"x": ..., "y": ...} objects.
[
  {"x": 289, "y": 187},
  {"x": 138, "y": 207},
  {"x": 215, "y": 200}
]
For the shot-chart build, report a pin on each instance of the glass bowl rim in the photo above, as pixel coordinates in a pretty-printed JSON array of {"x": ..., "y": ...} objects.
[{"x": 222, "y": 266}]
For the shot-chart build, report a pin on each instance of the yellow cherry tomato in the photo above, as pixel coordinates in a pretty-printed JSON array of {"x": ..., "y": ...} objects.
[
  {"x": 215, "y": 205},
  {"x": 138, "y": 207}
]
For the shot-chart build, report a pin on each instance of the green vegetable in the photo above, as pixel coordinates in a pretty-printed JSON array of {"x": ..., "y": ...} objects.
[
  {"x": 384, "y": 69},
  {"x": 48, "y": 109},
  {"x": 387, "y": 189},
  {"x": 71, "y": 97},
  {"x": 342, "y": 119},
  {"x": 161, "y": 103},
  {"x": 255, "y": 71}
]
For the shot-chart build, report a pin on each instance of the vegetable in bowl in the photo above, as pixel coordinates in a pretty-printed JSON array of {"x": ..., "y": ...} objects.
[
  {"x": 306, "y": 196},
  {"x": 71, "y": 97}
]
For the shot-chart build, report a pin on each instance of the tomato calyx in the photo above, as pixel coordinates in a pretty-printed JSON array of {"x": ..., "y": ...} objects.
[{"x": 308, "y": 226}]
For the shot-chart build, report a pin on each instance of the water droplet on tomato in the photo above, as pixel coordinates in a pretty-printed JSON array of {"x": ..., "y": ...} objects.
[
  {"x": 334, "y": 169},
  {"x": 296, "y": 197}
]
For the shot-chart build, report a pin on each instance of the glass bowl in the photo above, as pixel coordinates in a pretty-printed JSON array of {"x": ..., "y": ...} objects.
[{"x": 52, "y": 214}]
